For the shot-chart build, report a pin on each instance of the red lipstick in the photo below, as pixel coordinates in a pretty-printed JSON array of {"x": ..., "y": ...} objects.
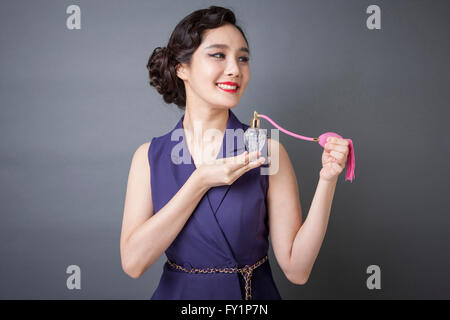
[{"x": 230, "y": 84}]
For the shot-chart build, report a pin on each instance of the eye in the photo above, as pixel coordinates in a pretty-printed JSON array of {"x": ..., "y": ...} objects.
[
  {"x": 216, "y": 54},
  {"x": 245, "y": 59}
]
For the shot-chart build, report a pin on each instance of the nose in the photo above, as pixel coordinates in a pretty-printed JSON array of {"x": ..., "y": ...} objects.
[{"x": 232, "y": 68}]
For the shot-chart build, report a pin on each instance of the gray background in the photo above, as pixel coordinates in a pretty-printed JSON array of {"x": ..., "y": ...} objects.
[{"x": 75, "y": 105}]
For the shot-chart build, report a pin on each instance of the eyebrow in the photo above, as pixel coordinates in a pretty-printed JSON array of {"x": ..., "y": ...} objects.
[{"x": 224, "y": 46}]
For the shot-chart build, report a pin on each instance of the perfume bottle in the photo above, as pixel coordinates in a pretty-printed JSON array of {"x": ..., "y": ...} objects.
[{"x": 255, "y": 137}]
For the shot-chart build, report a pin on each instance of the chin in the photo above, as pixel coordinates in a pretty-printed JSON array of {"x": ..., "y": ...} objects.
[
  {"x": 231, "y": 106},
  {"x": 222, "y": 103}
]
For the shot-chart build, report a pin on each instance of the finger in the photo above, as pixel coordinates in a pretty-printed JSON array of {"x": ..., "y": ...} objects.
[
  {"x": 252, "y": 156},
  {"x": 242, "y": 159},
  {"x": 338, "y": 155},
  {"x": 248, "y": 159},
  {"x": 327, "y": 152},
  {"x": 337, "y": 167},
  {"x": 236, "y": 160},
  {"x": 339, "y": 158},
  {"x": 344, "y": 142},
  {"x": 339, "y": 141},
  {"x": 249, "y": 166},
  {"x": 335, "y": 162},
  {"x": 329, "y": 159},
  {"x": 332, "y": 146}
]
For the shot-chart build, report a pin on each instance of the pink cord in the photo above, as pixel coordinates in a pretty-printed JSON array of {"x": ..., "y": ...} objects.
[
  {"x": 284, "y": 130},
  {"x": 322, "y": 140}
]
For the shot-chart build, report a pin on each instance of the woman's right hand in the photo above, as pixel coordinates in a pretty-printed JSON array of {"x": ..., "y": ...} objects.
[{"x": 225, "y": 171}]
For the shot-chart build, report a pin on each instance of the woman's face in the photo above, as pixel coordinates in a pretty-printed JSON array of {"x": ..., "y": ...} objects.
[{"x": 212, "y": 64}]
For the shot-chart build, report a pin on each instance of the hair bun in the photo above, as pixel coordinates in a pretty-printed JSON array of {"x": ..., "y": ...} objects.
[
  {"x": 162, "y": 52},
  {"x": 162, "y": 73}
]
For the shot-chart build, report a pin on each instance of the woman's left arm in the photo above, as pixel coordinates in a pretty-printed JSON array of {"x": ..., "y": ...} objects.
[{"x": 297, "y": 245}]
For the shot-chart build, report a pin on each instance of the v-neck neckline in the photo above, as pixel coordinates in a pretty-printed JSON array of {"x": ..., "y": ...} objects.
[
  {"x": 221, "y": 152},
  {"x": 182, "y": 170}
]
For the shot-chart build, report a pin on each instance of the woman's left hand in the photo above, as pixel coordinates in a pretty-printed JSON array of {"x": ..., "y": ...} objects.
[{"x": 334, "y": 158}]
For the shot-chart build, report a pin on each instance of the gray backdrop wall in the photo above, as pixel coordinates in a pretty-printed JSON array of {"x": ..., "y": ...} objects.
[{"x": 75, "y": 105}]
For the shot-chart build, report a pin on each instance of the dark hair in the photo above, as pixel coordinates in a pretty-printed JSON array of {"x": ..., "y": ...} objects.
[{"x": 185, "y": 39}]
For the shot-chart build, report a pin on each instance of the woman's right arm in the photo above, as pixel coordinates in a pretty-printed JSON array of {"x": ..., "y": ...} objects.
[{"x": 145, "y": 236}]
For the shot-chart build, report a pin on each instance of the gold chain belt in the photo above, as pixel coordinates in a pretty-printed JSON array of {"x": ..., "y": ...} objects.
[{"x": 246, "y": 272}]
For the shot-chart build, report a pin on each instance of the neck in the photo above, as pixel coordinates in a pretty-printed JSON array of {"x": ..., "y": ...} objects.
[{"x": 200, "y": 121}]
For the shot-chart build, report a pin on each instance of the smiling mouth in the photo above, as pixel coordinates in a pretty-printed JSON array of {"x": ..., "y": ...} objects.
[{"x": 227, "y": 88}]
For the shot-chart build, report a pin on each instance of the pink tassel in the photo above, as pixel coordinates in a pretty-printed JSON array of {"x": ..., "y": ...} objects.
[{"x": 350, "y": 171}]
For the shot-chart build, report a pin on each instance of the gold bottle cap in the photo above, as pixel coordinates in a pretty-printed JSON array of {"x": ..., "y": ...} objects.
[{"x": 255, "y": 123}]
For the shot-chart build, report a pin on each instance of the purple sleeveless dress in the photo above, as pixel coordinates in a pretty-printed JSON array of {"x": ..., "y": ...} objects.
[{"x": 228, "y": 228}]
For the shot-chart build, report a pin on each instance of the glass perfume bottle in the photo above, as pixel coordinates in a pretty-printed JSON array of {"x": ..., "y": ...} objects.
[{"x": 255, "y": 137}]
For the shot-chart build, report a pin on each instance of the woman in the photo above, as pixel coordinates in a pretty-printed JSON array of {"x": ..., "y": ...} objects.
[{"x": 211, "y": 215}]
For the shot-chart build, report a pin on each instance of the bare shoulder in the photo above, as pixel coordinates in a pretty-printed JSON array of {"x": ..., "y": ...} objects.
[
  {"x": 140, "y": 157},
  {"x": 143, "y": 149}
]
